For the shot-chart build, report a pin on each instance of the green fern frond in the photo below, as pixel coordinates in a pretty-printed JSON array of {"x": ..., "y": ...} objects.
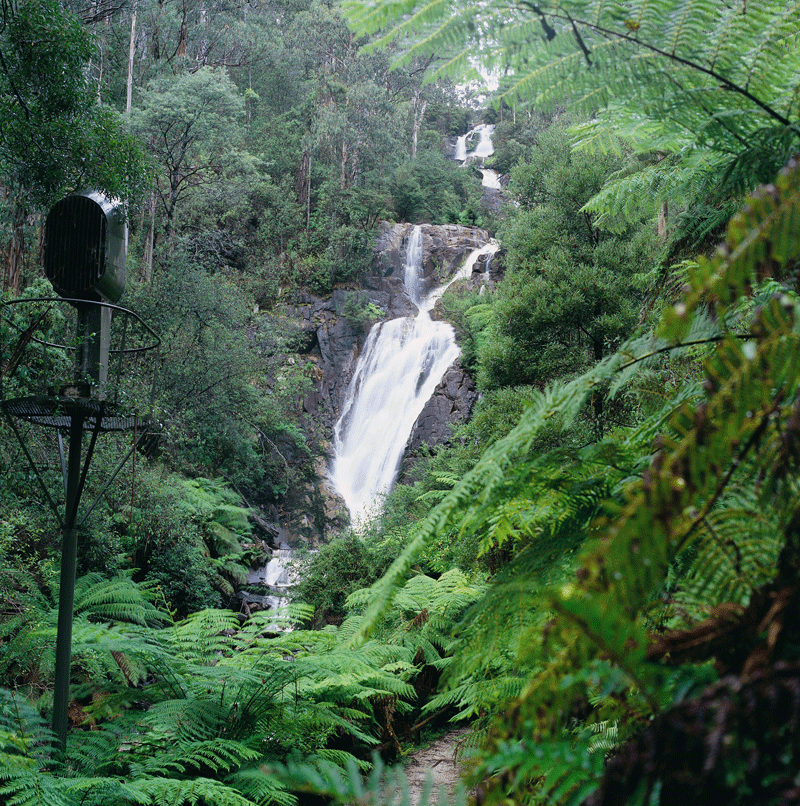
[
  {"x": 702, "y": 80},
  {"x": 218, "y": 755},
  {"x": 193, "y": 792},
  {"x": 201, "y": 635},
  {"x": 29, "y": 786},
  {"x": 557, "y": 771},
  {"x": 117, "y": 599},
  {"x": 261, "y": 786}
]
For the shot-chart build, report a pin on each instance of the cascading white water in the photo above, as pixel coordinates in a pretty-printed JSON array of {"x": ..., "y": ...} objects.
[
  {"x": 485, "y": 147},
  {"x": 412, "y": 276},
  {"x": 491, "y": 179},
  {"x": 461, "y": 147},
  {"x": 401, "y": 364},
  {"x": 277, "y": 575}
]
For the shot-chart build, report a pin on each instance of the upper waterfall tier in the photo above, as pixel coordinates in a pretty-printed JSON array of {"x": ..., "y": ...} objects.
[{"x": 483, "y": 148}]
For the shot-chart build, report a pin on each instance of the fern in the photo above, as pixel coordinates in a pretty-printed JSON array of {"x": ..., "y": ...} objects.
[{"x": 117, "y": 599}]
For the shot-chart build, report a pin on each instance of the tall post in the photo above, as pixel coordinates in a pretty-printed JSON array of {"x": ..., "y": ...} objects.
[{"x": 66, "y": 596}]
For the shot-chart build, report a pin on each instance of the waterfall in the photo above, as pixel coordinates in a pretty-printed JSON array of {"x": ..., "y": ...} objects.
[
  {"x": 275, "y": 575},
  {"x": 491, "y": 179},
  {"x": 461, "y": 147},
  {"x": 485, "y": 147},
  {"x": 412, "y": 276},
  {"x": 401, "y": 364}
]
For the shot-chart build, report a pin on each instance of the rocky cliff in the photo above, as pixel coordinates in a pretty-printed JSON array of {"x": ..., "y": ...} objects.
[
  {"x": 331, "y": 338},
  {"x": 444, "y": 249},
  {"x": 451, "y": 403},
  {"x": 332, "y": 341}
]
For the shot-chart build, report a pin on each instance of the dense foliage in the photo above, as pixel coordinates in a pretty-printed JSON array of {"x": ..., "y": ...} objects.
[{"x": 599, "y": 572}]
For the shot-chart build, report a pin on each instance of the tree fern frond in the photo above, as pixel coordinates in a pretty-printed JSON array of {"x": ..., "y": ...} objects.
[
  {"x": 556, "y": 771},
  {"x": 382, "y": 785},
  {"x": 261, "y": 786},
  {"x": 118, "y": 599},
  {"x": 201, "y": 635},
  {"x": 193, "y": 792},
  {"x": 217, "y": 754},
  {"x": 24, "y": 732},
  {"x": 188, "y": 720},
  {"x": 26, "y": 785}
]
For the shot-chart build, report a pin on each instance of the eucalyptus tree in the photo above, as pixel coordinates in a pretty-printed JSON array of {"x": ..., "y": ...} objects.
[
  {"x": 569, "y": 296},
  {"x": 156, "y": 37},
  {"x": 191, "y": 124}
]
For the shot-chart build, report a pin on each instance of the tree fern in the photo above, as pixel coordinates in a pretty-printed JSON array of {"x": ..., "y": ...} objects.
[
  {"x": 707, "y": 452},
  {"x": 713, "y": 84},
  {"x": 117, "y": 599}
]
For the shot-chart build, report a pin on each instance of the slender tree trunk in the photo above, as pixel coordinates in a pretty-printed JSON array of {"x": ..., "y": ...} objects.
[
  {"x": 131, "y": 54},
  {"x": 597, "y": 398},
  {"x": 663, "y": 210},
  {"x": 149, "y": 239},
  {"x": 308, "y": 195},
  {"x": 420, "y": 104},
  {"x": 15, "y": 250},
  {"x": 302, "y": 184},
  {"x": 343, "y": 172},
  {"x": 663, "y": 221}
]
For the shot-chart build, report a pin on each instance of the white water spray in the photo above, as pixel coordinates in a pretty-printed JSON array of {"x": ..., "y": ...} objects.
[
  {"x": 461, "y": 147},
  {"x": 484, "y": 148},
  {"x": 491, "y": 179},
  {"x": 401, "y": 364},
  {"x": 277, "y": 575}
]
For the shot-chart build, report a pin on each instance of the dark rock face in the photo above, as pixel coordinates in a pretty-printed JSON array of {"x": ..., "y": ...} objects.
[
  {"x": 451, "y": 403},
  {"x": 488, "y": 270},
  {"x": 334, "y": 343}
]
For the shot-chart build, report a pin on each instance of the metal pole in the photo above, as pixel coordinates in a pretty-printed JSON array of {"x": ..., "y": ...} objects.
[{"x": 66, "y": 596}]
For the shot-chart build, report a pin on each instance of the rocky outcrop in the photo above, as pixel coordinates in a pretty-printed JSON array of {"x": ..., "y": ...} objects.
[
  {"x": 332, "y": 341},
  {"x": 444, "y": 249},
  {"x": 451, "y": 403},
  {"x": 488, "y": 271}
]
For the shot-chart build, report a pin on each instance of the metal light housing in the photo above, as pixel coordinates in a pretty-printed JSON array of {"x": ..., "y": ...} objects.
[{"x": 85, "y": 244}]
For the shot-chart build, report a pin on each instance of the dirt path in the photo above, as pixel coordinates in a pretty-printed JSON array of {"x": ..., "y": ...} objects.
[{"x": 437, "y": 761}]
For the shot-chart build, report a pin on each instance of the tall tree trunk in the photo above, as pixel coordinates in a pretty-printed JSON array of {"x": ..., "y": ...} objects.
[
  {"x": 420, "y": 104},
  {"x": 343, "y": 172},
  {"x": 663, "y": 221},
  {"x": 598, "y": 397},
  {"x": 663, "y": 210},
  {"x": 149, "y": 239},
  {"x": 302, "y": 184},
  {"x": 15, "y": 250},
  {"x": 308, "y": 195},
  {"x": 131, "y": 54}
]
